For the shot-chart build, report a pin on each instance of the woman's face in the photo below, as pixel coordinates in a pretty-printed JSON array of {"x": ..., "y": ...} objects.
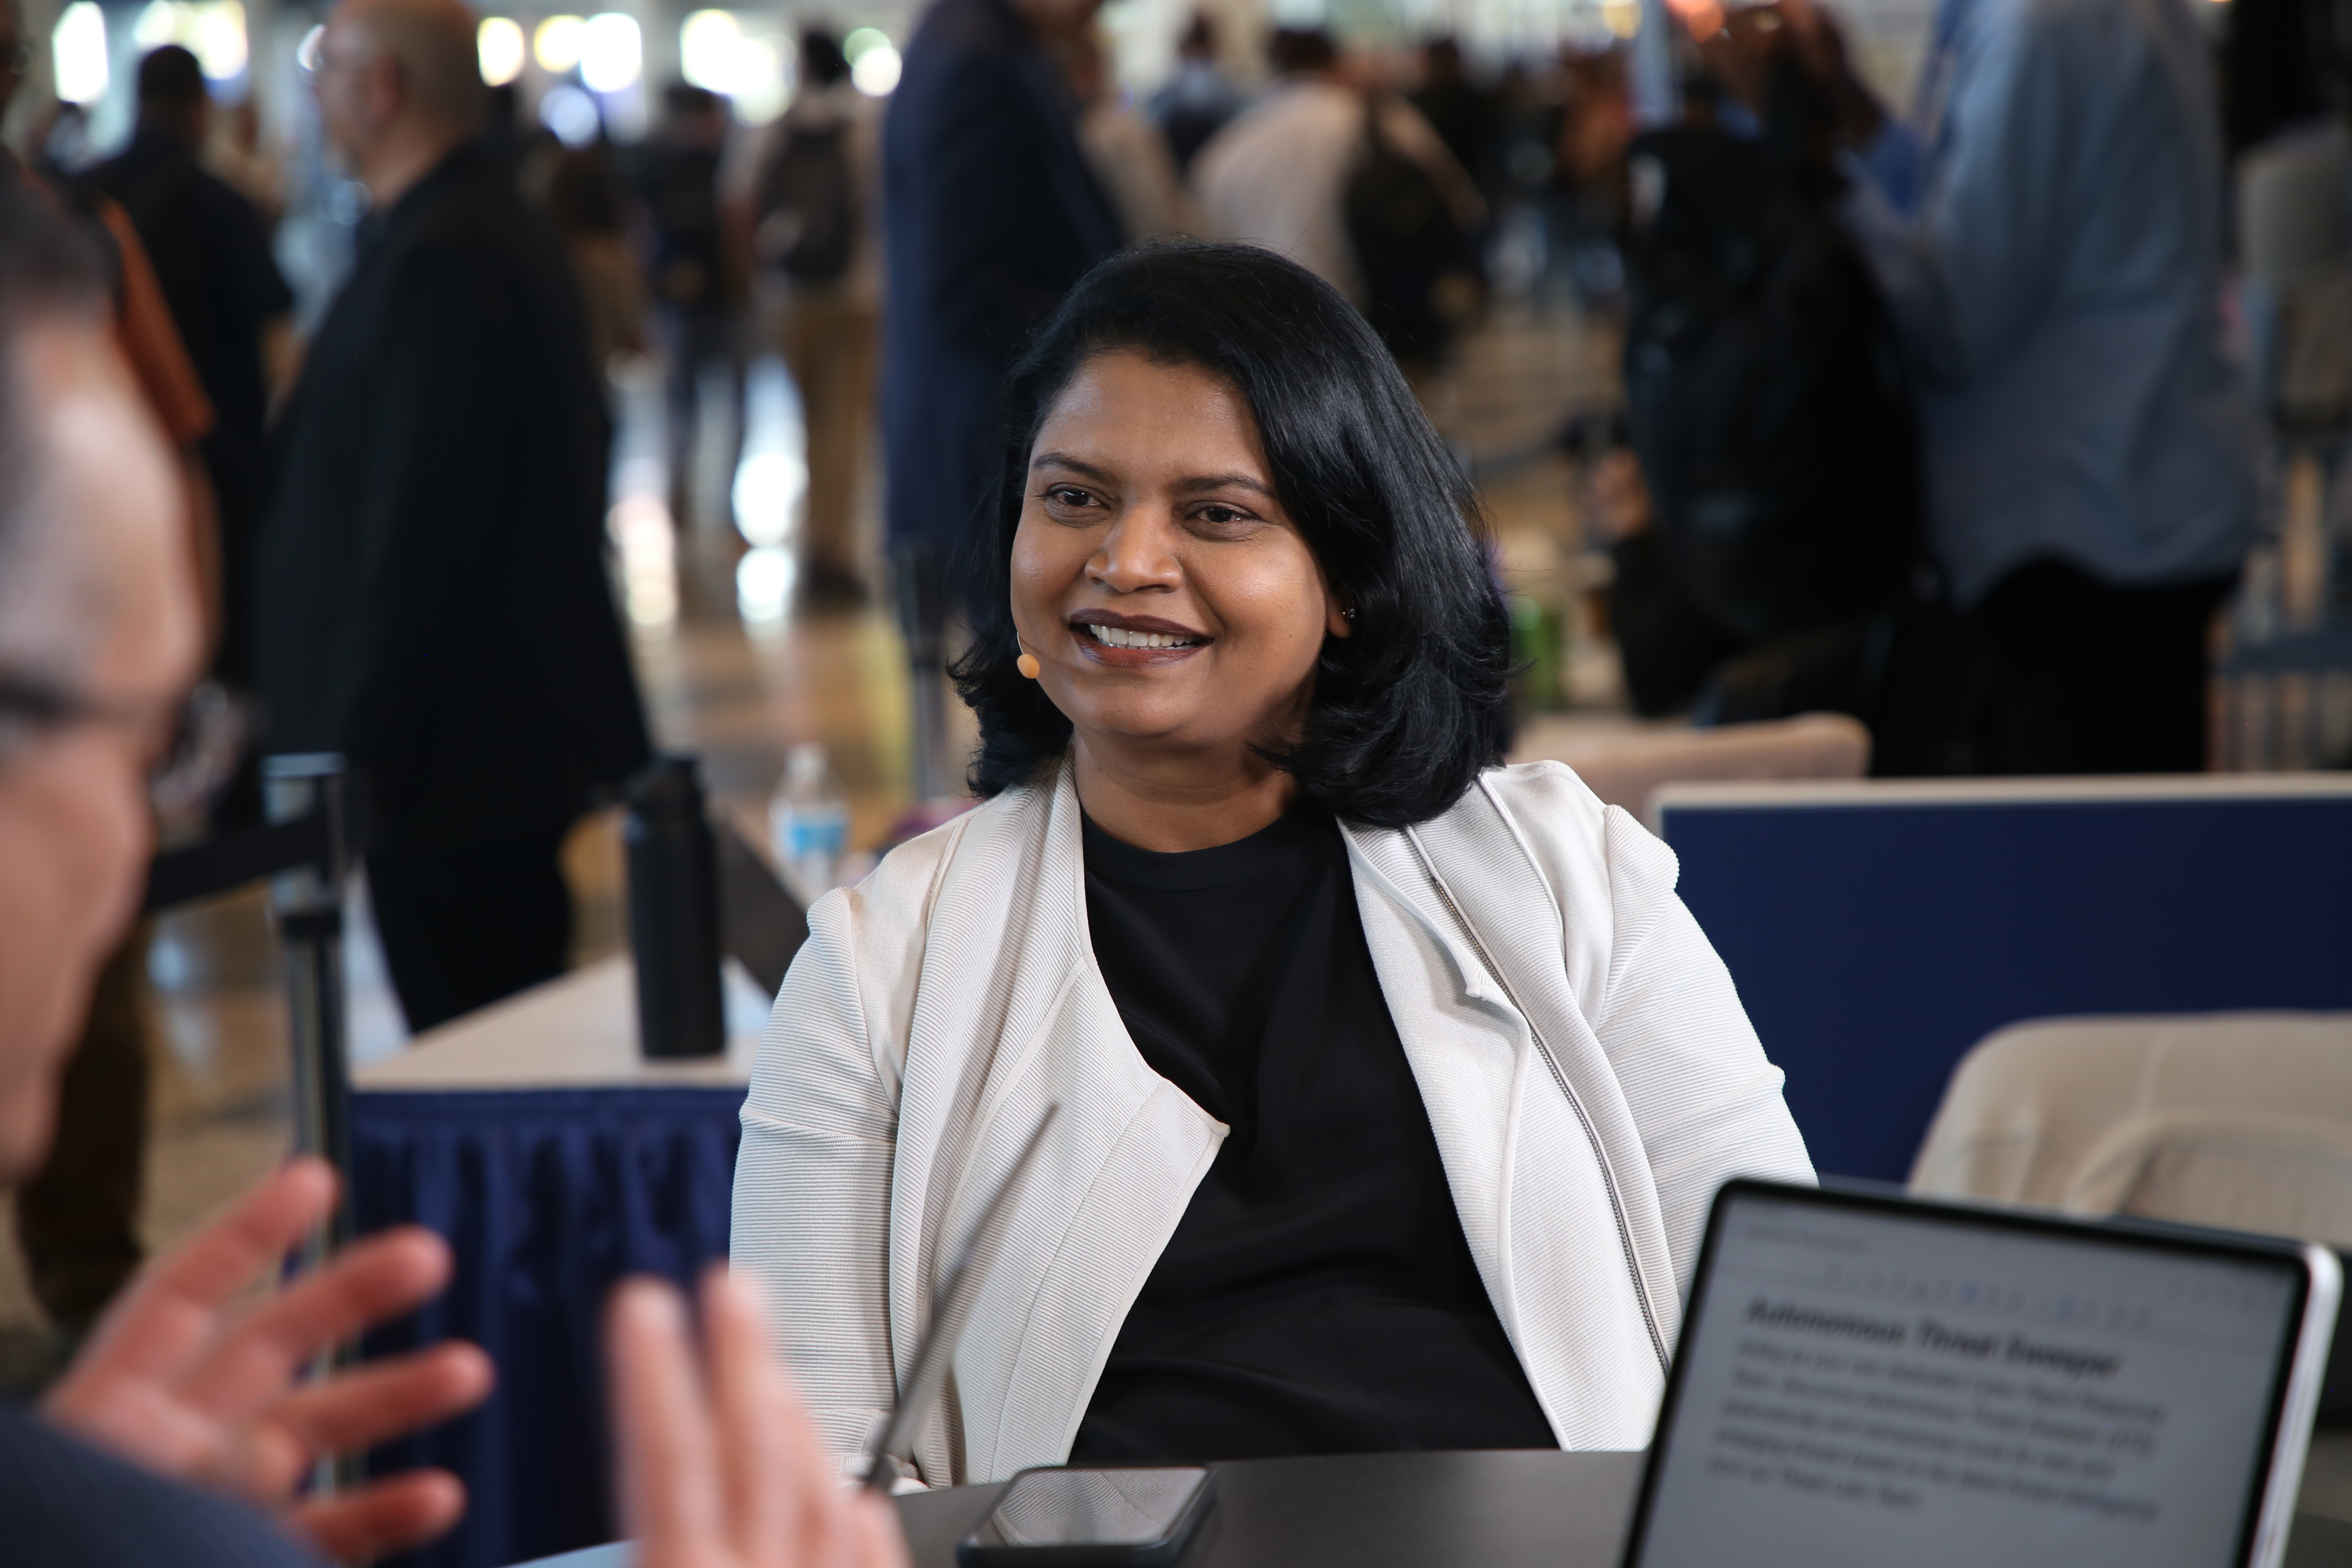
[{"x": 1156, "y": 577}]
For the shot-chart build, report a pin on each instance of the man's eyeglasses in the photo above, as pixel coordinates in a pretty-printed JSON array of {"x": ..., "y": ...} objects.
[{"x": 203, "y": 734}]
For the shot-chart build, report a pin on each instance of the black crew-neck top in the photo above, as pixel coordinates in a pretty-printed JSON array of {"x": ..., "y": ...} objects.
[{"x": 1317, "y": 1297}]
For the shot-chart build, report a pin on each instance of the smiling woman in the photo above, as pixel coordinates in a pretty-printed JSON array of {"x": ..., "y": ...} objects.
[
  {"x": 1392, "y": 1083},
  {"x": 1202, "y": 434}
]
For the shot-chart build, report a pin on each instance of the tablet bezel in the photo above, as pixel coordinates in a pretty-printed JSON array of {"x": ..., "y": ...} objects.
[{"x": 2153, "y": 1235}]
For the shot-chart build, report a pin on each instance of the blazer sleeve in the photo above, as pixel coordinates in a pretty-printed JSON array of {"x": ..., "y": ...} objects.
[
  {"x": 1706, "y": 1099},
  {"x": 811, "y": 1217}
]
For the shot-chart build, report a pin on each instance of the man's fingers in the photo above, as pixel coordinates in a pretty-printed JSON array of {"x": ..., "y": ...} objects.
[
  {"x": 871, "y": 1537},
  {"x": 382, "y": 1516},
  {"x": 254, "y": 1234},
  {"x": 388, "y": 1399},
  {"x": 380, "y": 1278},
  {"x": 818, "y": 1519},
  {"x": 667, "y": 1448},
  {"x": 173, "y": 1304},
  {"x": 766, "y": 1504}
]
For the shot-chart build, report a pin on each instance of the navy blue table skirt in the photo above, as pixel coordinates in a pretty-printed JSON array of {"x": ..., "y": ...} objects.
[{"x": 547, "y": 1196}]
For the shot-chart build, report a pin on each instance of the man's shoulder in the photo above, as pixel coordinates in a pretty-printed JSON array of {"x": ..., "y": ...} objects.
[
  {"x": 221, "y": 199},
  {"x": 68, "y": 1504},
  {"x": 477, "y": 239},
  {"x": 2088, "y": 28},
  {"x": 960, "y": 45},
  {"x": 958, "y": 26},
  {"x": 480, "y": 215}
]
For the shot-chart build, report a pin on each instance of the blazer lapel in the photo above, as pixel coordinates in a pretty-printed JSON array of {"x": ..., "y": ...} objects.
[
  {"x": 1012, "y": 1016},
  {"x": 1528, "y": 1182}
]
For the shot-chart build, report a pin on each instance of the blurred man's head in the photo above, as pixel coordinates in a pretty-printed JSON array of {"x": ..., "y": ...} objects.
[
  {"x": 693, "y": 116},
  {"x": 1440, "y": 62},
  {"x": 400, "y": 86},
  {"x": 1084, "y": 66},
  {"x": 1051, "y": 19},
  {"x": 99, "y": 639},
  {"x": 173, "y": 97},
  {"x": 1301, "y": 51},
  {"x": 822, "y": 61}
]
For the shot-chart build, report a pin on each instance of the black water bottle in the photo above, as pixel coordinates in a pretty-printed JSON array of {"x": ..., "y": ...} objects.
[{"x": 674, "y": 911}]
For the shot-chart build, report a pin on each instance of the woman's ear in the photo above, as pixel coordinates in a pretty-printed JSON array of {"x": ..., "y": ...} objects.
[{"x": 1339, "y": 617}]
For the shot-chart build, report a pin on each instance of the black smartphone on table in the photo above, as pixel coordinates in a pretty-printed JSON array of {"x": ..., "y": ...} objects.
[{"x": 1142, "y": 1517}]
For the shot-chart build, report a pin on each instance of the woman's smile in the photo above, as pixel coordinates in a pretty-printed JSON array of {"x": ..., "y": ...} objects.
[{"x": 1134, "y": 642}]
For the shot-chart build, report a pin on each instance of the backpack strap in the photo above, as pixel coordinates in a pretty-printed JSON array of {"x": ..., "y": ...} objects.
[{"x": 1490, "y": 882}]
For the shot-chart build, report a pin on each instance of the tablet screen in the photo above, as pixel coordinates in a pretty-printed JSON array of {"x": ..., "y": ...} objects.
[{"x": 1874, "y": 1385}]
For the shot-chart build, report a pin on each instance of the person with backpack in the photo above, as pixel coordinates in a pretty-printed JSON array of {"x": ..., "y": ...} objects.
[
  {"x": 1198, "y": 98},
  {"x": 1776, "y": 562},
  {"x": 816, "y": 231},
  {"x": 1355, "y": 187}
]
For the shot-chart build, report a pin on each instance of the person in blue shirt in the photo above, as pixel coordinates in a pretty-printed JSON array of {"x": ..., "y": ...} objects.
[{"x": 2048, "y": 230}]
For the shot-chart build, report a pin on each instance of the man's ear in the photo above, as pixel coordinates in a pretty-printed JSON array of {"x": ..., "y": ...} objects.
[{"x": 387, "y": 87}]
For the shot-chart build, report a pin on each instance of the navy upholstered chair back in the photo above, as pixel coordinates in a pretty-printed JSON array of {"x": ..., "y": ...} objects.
[{"x": 1878, "y": 929}]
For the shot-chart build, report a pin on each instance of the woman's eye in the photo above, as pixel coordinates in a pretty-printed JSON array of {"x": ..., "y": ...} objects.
[
  {"x": 1221, "y": 515},
  {"x": 1063, "y": 496}
]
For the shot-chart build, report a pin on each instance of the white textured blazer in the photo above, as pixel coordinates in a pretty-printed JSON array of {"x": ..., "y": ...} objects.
[{"x": 1586, "y": 1066}]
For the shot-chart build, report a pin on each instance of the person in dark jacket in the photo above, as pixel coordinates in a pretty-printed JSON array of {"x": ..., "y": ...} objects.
[
  {"x": 431, "y": 595},
  {"x": 697, "y": 289},
  {"x": 992, "y": 215},
  {"x": 210, "y": 248}
]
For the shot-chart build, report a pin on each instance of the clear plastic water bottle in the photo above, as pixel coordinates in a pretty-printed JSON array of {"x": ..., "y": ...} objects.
[{"x": 809, "y": 819}]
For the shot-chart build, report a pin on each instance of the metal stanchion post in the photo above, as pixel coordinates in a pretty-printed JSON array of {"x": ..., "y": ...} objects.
[
  {"x": 308, "y": 904},
  {"x": 919, "y": 585}
]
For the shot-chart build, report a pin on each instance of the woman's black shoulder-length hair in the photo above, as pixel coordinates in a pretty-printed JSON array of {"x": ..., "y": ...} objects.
[{"x": 1407, "y": 710}]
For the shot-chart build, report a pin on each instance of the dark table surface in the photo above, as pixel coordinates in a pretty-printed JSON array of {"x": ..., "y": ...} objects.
[
  {"x": 1404, "y": 1511},
  {"x": 1413, "y": 1510}
]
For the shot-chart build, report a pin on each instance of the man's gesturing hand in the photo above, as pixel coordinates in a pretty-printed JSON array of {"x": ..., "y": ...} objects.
[
  {"x": 719, "y": 1467},
  {"x": 179, "y": 1382}
]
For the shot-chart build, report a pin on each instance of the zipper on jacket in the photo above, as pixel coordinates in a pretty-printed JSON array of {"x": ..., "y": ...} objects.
[{"x": 1469, "y": 935}]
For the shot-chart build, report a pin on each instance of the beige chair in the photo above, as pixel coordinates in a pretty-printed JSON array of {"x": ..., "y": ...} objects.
[
  {"x": 2237, "y": 1119},
  {"x": 1626, "y": 767}
]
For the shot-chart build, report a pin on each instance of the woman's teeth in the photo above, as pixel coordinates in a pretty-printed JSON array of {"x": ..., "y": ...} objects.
[{"x": 1119, "y": 636}]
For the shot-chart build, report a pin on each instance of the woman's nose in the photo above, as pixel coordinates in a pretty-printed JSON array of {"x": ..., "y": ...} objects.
[{"x": 1137, "y": 554}]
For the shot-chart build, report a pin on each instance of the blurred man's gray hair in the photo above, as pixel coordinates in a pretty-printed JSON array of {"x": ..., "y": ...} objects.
[
  {"x": 433, "y": 41},
  {"x": 49, "y": 273}
]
